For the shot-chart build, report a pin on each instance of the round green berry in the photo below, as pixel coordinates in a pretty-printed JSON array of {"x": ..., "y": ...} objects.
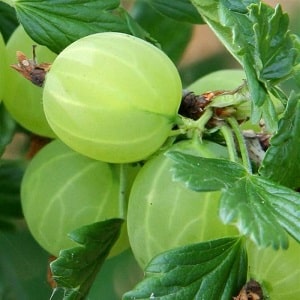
[
  {"x": 63, "y": 190},
  {"x": 112, "y": 97}
]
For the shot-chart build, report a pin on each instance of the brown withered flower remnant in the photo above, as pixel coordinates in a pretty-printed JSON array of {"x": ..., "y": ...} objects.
[{"x": 30, "y": 69}]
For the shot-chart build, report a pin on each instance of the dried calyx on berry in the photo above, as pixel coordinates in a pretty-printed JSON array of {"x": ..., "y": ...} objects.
[
  {"x": 224, "y": 103},
  {"x": 30, "y": 69}
]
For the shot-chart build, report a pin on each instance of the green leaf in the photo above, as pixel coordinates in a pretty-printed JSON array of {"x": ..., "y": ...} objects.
[
  {"x": 8, "y": 21},
  {"x": 260, "y": 208},
  {"x": 75, "y": 269},
  {"x": 210, "y": 270},
  {"x": 263, "y": 210},
  {"x": 267, "y": 111},
  {"x": 257, "y": 36},
  {"x": 205, "y": 174},
  {"x": 296, "y": 39},
  {"x": 7, "y": 128},
  {"x": 57, "y": 23},
  {"x": 172, "y": 45},
  {"x": 11, "y": 174},
  {"x": 274, "y": 51},
  {"x": 180, "y": 10},
  {"x": 229, "y": 21},
  {"x": 22, "y": 267},
  {"x": 264, "y": 42},
  {"x": 281, "y": 162},
  {"x": 138, "y": 30}
]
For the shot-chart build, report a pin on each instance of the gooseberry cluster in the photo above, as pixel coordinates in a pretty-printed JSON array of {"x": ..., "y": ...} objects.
[{"x": 111, "y": 102}]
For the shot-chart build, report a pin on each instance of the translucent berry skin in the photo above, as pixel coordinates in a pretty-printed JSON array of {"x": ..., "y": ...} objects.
[
  {"x": 22, "y": 98},
  {"x": 63, "y": 190},
  {"x": 227, "y": 79},
  {"x": 164, "y": 214},
  {"x": 112, "y": 97},
  {"x": 278, "y": 271}
]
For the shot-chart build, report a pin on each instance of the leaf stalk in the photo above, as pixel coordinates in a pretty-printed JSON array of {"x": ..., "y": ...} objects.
[
  {"x": 241, "y": 143},
  {"x": 231, "y": 148}
]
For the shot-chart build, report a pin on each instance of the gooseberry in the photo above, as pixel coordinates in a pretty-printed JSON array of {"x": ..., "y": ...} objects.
[
  {"x": 278, "y": 271},
  {"x": 63, "y": 190},
  {"x": 112, "y": 97},
  {"x": 157, "y": 202},
  {"x": 227, "y": 79},
  {"x": 164, "y": 214},
  {"x": 23, "y": 99}
]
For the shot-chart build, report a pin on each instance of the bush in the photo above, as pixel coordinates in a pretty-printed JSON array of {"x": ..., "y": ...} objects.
[{"x": 194, "y": 169}]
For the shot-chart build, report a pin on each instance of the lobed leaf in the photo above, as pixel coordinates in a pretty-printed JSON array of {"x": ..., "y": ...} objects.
[
  {"x": 257, "y": 36},
  {"x": 76, "y": 268},
  {"x": 229, "y": 21},
  {"x": 205, "y": 174},
  {"x": 263, "y": 210},
  {"x": 58, "y": 23},
  {"x": 280, "y": 163},
  {"x": 274, "y": 52},
  {"x": 260, "y": 208},
  {"x": 255, "y": 33},
  {"x": 210, "y": 270}
]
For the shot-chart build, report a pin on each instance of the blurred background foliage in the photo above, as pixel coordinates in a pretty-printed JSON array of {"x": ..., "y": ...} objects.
[{"x": 23, "y": 264}]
